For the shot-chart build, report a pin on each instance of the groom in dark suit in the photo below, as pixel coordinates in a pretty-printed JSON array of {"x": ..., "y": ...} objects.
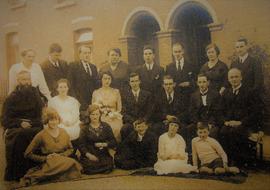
[
  {"x": 136, "y": 104},
  {"x": 83, "y": 77},
  {"x": 54, "y": 68},
  {"x": 150, "y": 72}
]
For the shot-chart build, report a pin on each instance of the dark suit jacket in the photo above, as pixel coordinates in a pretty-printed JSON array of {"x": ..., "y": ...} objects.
[
  {"x": 133, "y": 110},
  {"x": 239, "y": 107},
  {"x": 52, "y": 74},
  {"x": 209, "y": 113},
  {"x": 82, "y": 84},
  {"x": 144, "y": 152},
  {"x": 178, "y": 107},
  {"x": 187, "y": 74},
  {"x": 151, "y": 80},
  {"x": 252, "y": 73}
]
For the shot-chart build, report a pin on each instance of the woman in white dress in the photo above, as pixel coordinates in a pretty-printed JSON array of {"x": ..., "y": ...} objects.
[
  {"x": 172, "y": 157},
  {"x": 68, "y": 109},
  {"x": 109, "y": 101}
]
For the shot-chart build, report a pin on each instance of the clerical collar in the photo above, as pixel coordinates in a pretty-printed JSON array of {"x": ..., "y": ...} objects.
[
  {"x": 243, "y": 58},
  {"x": 203, "y": 93}
]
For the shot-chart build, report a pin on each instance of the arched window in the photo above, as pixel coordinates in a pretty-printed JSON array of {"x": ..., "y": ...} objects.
[{"x": 82, "y": 37}]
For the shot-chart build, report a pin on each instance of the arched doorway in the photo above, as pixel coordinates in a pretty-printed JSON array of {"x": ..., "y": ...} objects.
[
  {"x": 191, "y": 21},
  {"x": 140, "y": 30}
]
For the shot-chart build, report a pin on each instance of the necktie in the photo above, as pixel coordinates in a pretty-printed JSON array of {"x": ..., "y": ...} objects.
[
  {"x": 170, "y": 98},
  {"x": 136, "y": 96},
  {"x": 88, "y": 69},
  {"x": 177, "y": 65}
]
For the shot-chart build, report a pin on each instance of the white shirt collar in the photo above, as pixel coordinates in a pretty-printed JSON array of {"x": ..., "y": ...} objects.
[
  {"x": 149, "y": 65},
  {"x": 54, "y": 63},
  {"x": 204, "y": 92},
  {"x": 172, "y": 94},
  {"x": 243, "y": 58},
  {"x": 136, "y": 92},
  {"x": 237, "y": 88}
]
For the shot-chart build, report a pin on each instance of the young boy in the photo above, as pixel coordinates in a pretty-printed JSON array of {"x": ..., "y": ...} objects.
[
  {"x": 139, "y": 149},
  {"x": 209, "y": 152}
]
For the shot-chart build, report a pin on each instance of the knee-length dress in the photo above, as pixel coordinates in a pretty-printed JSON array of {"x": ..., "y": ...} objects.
[
  {"x": 57, "y": 167},
  {"x": 69, "y": 111},
  {"x": 88, "y": 137},
  {"x": 168, "y": 147},
  {"x": 111, "y": 106}
]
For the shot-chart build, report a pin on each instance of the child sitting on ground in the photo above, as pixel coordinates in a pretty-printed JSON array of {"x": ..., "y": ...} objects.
[{"x": 209, "y": 152}]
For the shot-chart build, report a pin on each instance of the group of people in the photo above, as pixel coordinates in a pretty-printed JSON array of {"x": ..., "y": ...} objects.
[{"x": 62, "y": 119}]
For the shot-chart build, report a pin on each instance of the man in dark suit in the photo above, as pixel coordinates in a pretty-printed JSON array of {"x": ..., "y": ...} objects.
[
  {"x": 150, "y": 72},
  {"x": 83, "y": 77},
  {"x": 54, "y": 68},
  {"x": 168, "y": 104},
  {"x": 136, "y": 103},
  {"x": 239, "y": 116},
  {"x": 250, "y": 67},
  {"x": 139, "y": 149},
  {"x": 182, "y": 71},
  {"x": 204, "y": 107}
]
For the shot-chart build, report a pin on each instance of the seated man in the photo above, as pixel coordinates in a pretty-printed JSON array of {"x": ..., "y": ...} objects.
[
  {"x": 239, "y": 116},
  {"x": 168, "y": 104},
  {"x": 209, "y": 152},
  {"x": 139, "y": 149},
  {"x": 136, "y": 104},
  {"x": 204, "y": 107},
  {"x": 21, "y": 119}
]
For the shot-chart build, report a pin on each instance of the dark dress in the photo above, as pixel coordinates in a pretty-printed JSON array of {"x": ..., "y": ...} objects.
[
  {"x": 217, "y": 75},
  {"x": 20, "y": 105},
  {"x": 88, "y": 137},
  {"x": 133, "y": 154}
]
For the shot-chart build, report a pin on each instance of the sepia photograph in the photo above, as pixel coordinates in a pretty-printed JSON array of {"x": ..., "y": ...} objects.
[{"x": 134, "y": 94}]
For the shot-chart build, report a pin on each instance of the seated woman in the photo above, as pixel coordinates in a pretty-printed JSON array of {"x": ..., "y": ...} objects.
[
  {"x": 96, "y": 139},
  {"x": 68, "y": 109},
  {"x": 109, "y": 101},
  {"x": 55, "y": 147},
  {"x": 172, "y": 157}
]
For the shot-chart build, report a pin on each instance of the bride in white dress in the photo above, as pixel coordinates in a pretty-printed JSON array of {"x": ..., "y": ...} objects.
[
  {"x": 68, "y": 109},
  {"x": 172, "y": 157},
  {"x": 109, "y": 101}
]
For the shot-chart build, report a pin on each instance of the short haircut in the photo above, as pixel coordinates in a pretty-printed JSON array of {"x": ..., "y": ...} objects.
[
  {"x": 178, "y": 44},
  {"x": 106, "y": 73},
  {"x": 202, "y": 125},
  {"x": 84, "y": 46},
  {"x": 167, "y": 77},
  {"x": 202, "y": 75},
  {"x": 91, "y": 108},
  {"x": 116, "y": 50},
  {"x": 48, "y": 114},
  {"x": 55, "y": 48},
  {"x": 149, "y": 47},
  {"x": 25, "y": 51},
  {"x": 134, "y": 74},
  {"x": 235, "y": 69},
  {"x": 139, "y": 121},
  {"x": 213, "y": 45},
  {"x": 242, "y": 39},
  {"x": 63, "y": 80}
]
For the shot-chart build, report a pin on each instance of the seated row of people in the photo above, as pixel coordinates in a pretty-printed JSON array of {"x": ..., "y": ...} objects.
[{"x": 52, "y": 149}]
